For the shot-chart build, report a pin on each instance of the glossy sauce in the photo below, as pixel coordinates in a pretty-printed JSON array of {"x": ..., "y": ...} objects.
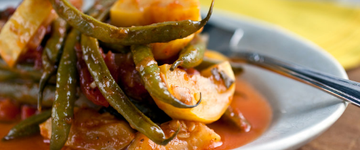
[
  {"x": 254, "y": 108},
  {"x": 33, "y": 143},
  {"x": 251, "y": 104}
]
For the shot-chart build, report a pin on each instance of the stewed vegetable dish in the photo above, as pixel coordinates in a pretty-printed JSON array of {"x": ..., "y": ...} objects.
[{"x": 123, "y": 74}]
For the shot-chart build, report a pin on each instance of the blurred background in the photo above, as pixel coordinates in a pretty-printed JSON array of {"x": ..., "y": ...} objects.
[{"x": 334, "y": 25}]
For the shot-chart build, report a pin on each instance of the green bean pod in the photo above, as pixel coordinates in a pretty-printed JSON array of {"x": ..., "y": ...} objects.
[
  {"x": 66, "y": 93},
  {"x": 54, "y": 44},
  {"x": 45, "y": 77},
  {"x": 27, "y": 93},
  {"x": 115, "y": 48},
  {"x": 6, "y": 75},
  {"x": 28, "y": 127},
  {"x": 101, "y": 15},
  {"x": 14, "y": 76},
  {"x": 51, "y": 54},
  {"x": 150, "y": 75},
  {"x": 193, "y": 54},
  {"x": 115, "y": 96},
  {"x": 237, "y": 118},
  {"x": 22, "y": 71},
  {"x": 159, "y": 32}
]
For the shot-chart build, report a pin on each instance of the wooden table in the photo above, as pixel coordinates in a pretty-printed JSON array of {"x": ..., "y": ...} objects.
[{"x": 345, "y": 133}]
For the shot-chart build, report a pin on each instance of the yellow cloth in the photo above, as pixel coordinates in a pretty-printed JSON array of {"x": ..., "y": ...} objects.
[{"x": 333, "y": 27}]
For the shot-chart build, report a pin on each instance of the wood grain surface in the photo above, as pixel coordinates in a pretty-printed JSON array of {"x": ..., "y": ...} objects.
[{"x": 345, "y": 133}]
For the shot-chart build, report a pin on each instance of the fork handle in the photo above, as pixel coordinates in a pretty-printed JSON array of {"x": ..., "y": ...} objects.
[{"x": 342, "y": 88}]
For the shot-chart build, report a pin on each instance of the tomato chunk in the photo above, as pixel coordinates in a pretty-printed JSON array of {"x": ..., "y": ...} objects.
[
  {"x": 87, "y": 82},
  {"x": 9, "y": 111},
  {"x": 27, "y": 111},
  {"x": 145, "y": 12}
]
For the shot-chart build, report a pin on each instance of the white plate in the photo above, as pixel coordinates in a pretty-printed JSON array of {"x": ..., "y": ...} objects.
[{"x": 300, "y": 112}]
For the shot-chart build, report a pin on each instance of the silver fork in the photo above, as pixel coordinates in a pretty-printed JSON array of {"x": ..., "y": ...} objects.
[{"x": 342, "y": 88}]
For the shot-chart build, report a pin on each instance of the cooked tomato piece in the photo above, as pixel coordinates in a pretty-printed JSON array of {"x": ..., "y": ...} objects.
[
  {"x": 111, "y": 64},
  {"x": 7, "y": 13},
  {"x": 91, "y": 130},
  {"x": 86, "y": 81},
  {"x": 192, "y": 135},
  {"x": 27, "y": 111},
  {"x": 33, "y": 56},
  {"x": 77, "y": 3},
  {"x": 9, "y": 111},
  {"x": 129, "y": 79}
]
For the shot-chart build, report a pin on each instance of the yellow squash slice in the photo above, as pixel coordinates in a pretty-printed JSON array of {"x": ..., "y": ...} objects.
[
  {"x": 22, "y": 26},
  {"x": 215, "y": 96},
  {"x": 144, "y": 12},
  {"x": 192, "y": 135}
]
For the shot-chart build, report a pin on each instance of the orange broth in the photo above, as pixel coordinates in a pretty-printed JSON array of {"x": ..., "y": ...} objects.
[
  {"x": 251, "y": 104},
  {"x": 32, "y": 143},
  {"x": 255, "y": 109}
]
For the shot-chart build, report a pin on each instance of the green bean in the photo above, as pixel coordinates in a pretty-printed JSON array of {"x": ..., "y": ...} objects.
[
  {"x": 150, "y": 74},
  {"x": 160, "y": 32},
  {"x": 116, "y": 48},
  {"x": 193, "y": 54},
  {"x": 54, "y": 44},
  {"x": 101, "y": 14},
  {"x": 221, "y": 75},
  {"x": 11, "y": 75},
  {"x": 6, "y": 75},
  {"x": 146, "y": 106},
  {"x": 66, "y": 93},
  {"x": 237, "y": 118},
  {"x": 47, "y": 73},
  {"x": 228, "y": 81},
  {"x": 115, "y": 96},
  {"x": 28, "y": 127},
  {"x": 27, "y": 93},
  {"x": 22, "y": 71},
  {"x": 51, "y": 54}
]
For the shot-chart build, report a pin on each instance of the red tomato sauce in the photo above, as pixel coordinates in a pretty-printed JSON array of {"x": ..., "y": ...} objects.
[
  {"x": 250, "y": 103},
  {"x": 255, "y": 109},
  {"x": 30, "y": 143}
]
